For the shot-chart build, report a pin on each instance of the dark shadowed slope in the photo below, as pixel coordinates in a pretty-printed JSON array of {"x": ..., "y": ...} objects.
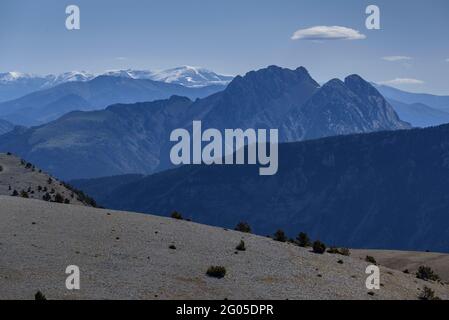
[
  {"x": 5, "y": 126},
  {"x": 381, "y": 190}
]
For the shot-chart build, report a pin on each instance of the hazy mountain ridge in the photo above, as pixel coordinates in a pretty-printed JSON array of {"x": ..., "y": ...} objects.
[
  {"x": 135, "y": 138},
  {"x": 419, "y": 115},
  {"x": 43, "y": 106},
  {"x": 434, "y": 101}
]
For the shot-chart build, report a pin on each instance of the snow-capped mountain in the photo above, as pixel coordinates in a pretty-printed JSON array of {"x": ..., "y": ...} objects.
[
  {"x": 17, "y": 84},
  {"x": 71, "y": 76},
  {"x": 191, "y": 77},
  {"x": 186, "y": 76}
]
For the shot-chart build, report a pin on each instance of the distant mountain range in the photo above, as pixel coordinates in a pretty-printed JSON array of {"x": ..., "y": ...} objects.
[
  {"x": 419, "y": 114},
  {"x": 14, "y": 85},
  {"x": 421, "y": 110},
  {"x": 186, "y": 76},
  {"x": 436, "y": 102},
  {"x": 47, "y": 105},
  {"x": 127, "y": 139},
  {"x": 379, "y": 190}
]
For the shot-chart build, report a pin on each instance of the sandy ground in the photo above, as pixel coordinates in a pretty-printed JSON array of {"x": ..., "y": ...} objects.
[
  {"x": 16, "y": 176},
  {"x": 127, "y": 256},
  {"x": 409, "y": 260}
]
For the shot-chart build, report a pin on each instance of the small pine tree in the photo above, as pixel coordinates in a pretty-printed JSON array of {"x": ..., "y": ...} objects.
[
  {"x": 243, "y": 227},
  {"x": 303, "y": 240},
  {"x": 176, "y": 215},
  {"x": 15, "y": 193},
  {"x": 280, "y": 236}
]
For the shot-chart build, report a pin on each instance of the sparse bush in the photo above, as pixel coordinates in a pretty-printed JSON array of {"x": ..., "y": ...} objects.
[
  {"x": 66, "y": 201},
  {"x": 241, "y": 246},
  {"x": 39, "y": 296},
  {"x": 24, "y": 194},
  {"x": 280, "y": 236},
  {"x": 176, "y": 215},
  {"x": 216, "y": 272},
  {"x": 303, "y": 240},
  {"x": 15, "y": 193},
  {"x": 243, "y": 227},
  {"x": 319, "y": 247},
  {"x": 46, "y": 197},
  {"x": 81, "y": 196},
  {"x": 426, "y": 273},
  {"x": 50, "y": 181},
  {"x": 340, "y": 251},
  {"x": 371, "y": 260},
  {"x": 428, "y": 294},
  {"x": 59, "y": 198}
]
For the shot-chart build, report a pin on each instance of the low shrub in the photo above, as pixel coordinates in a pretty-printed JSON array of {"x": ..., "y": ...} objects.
[
  {"x": 241, "y": 246},
  {"x": 371, "y": 260},
  {"x": 39, "y": 296},
  {"x": 428, "y": 294},
  {"x": 426, "y": 273},
  {"x": 319, "y": 247},
  {"x": 340, "y": 251},
  {"x": 176, "y": 215},
  {"x": 216, "y": 272},
  {"x": 243, "y": 227}
]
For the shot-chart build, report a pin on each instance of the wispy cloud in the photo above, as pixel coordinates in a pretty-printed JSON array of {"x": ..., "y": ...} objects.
[
  {"x": 397, "y": 58},
  {"x": 399, "y": 81},
  {"x": 327, "y": 33},
  {"x": 121, "y": 58},
  {"x": 447, "y": 60}
]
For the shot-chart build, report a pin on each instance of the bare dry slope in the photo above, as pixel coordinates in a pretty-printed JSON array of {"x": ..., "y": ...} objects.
[
  {"x": 127, "y": 256},
  {"x": 23, "y": 179},
  {"x": 410, "y": 260}
]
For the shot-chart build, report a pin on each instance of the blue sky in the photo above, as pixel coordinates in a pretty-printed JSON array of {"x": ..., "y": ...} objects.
[{"x": 231, "y": 37}]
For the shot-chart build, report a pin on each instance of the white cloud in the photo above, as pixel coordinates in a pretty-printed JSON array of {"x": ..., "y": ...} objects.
[
  {"x": 327, "y": 33},
  {"x": 121, "y": 58},
  {"x": 396, "y": 58},
  {"x": 399, "y": 81},
  {"x": 447, "y": 60}
]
